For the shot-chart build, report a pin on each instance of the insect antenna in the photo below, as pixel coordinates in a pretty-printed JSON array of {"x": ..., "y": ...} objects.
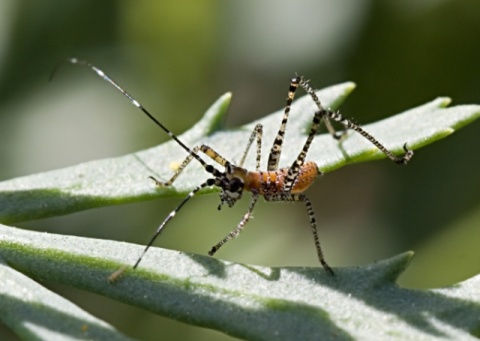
[{"x": 106, "y": 78}]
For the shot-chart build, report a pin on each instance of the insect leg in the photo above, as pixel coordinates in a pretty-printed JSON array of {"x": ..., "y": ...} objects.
[
  {"x": 276, "y": 150},
  {"x": 180, "y": 169},
  {"x": 234, "y": 233},
  {"x": 313, "y": 222},
  {"x": 348, "y": 124},
  {"x": 204, "y": 149},
  {"x": 294, "y": 169},
  {"x": 257, "y": 132},
  {"x": 309, "y": 90}
]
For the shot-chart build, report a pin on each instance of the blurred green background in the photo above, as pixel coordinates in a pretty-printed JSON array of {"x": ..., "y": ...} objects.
[{"x": 178, "y": 57}]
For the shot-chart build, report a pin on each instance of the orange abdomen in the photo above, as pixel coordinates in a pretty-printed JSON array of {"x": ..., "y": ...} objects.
[{"x": 269, "y": 183}]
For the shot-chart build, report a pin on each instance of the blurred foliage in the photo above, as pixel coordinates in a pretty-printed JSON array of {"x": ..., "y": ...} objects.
[{"x": 400, "y": 53}]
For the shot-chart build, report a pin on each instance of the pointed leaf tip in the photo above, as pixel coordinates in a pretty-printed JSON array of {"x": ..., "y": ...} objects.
[{"x": 390, "y": 269}]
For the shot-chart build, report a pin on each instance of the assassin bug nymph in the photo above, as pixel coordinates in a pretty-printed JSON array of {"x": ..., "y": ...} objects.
[{"x": 274, "y": 184}]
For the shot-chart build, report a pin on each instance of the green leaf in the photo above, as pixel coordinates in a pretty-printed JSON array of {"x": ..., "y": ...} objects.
[
  {"x": 251, "y": 302},
  {"x": 125, "y": 179},
  {"x": 35, "y": 313}
]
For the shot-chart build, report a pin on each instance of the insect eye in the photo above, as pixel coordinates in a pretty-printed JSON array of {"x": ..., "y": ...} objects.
[{"x": 236, "y": 185}]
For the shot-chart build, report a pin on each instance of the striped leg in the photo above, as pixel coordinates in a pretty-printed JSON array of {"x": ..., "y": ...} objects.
[
  {"x": 294, "y": 169},
  {"x": 348, "y": 124},
  {"x": 276, "y": 150},
  {"x": 180, "y": 169},
  {"x": 204, "y": 149},
  {"x": 257, "y": 132},
  {"x": 309, "y": 90},
  {"x": 313, "y": 222},
  {"x": 234, "y": 233}
]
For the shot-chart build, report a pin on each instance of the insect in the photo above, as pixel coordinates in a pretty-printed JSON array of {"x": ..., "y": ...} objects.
[{"x": 274, "y": 184}]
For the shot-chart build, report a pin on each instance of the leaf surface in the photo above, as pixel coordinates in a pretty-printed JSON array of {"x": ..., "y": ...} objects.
[{"x": 252, "y": 302}]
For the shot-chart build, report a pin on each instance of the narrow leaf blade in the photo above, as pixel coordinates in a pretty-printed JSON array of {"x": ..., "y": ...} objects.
[{"x": 251, "y": 302}]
